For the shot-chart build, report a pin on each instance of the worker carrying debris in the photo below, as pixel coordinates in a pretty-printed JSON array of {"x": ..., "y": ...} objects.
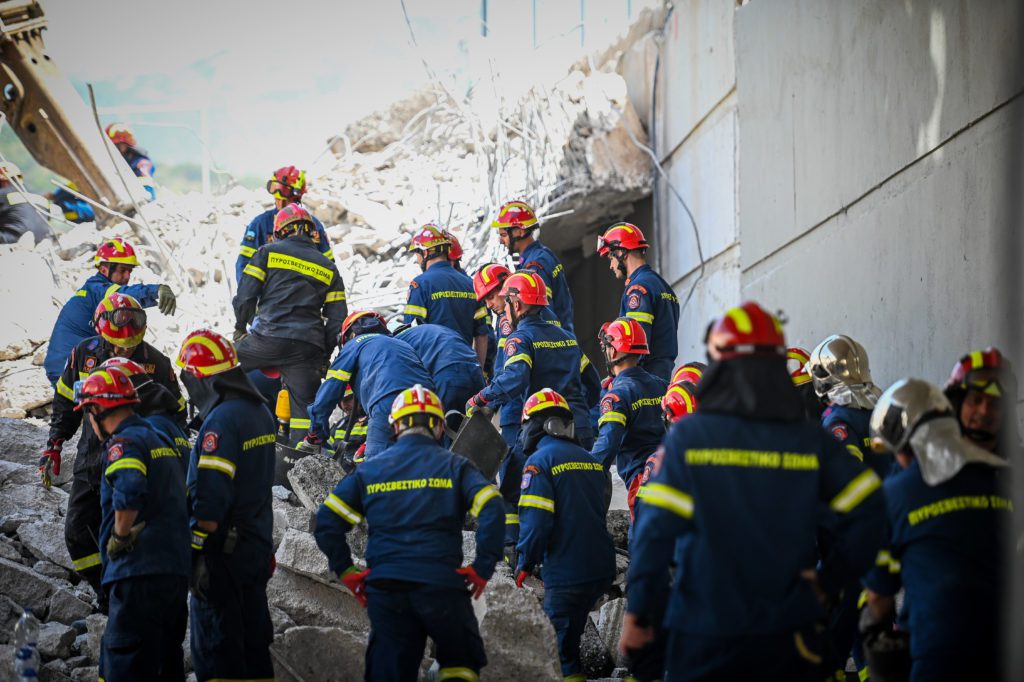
[
  {"x": 138, "y": 158},
  {"x": 415, "y": 589},
  {"x": 115, "y": 259},
  {"x": 143, "y": 535},
  {"x": 950, "y": 513},
  {"x": 443, "y": 295},
  {"x": 741, "y": 483},
  {"x": 648, "y": 298},
  {"x": 20, "y": 211},
  {"x": 301, "y": 301},
  {"x": 378, "y": 367},
  {"x": 230, "y": 475},
  {"x": 562, "y": 523},
  {"x": 287, "y": 185},
  {"x": 121, "y": 323},
  {"x": 516, "y": 223}
]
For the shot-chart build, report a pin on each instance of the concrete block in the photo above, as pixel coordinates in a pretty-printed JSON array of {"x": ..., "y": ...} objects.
[
  {"x": 310, "y": 602},
  {"x": 609, "y": 626},
  {"x": 66, "y": 608},
  {"x": 28, "y": 588},
  {"x": 313, "y": 479},
  {"x": 514, "y": 623},
  {"x": 594, "y": 655},
  {"x": 319, "y": 654},
  {"x": 45, "y": 541},
  {"x": 55, "y": 640},
  {"x": 51, "y": 570},
  {"x": 299, "y": 553}
]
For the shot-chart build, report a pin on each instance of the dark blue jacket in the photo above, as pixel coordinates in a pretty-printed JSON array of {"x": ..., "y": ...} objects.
[
  {"x": 378, "y": 367},
  {"x": 142, "y": 472},
  {"x": 739, "y": 497},
  {"x": 649, "y": 300},
  {"x": 540, "y": 259},
  {"x": 946, "y": 546},
  {"x": 143, "y": 167},
  {"x": 76, "y": 210},
  {"x": 541, "y": 355},
  {"x": 441, "y": 353},
  {"x": 630, "y": 427},
  {"x": 170, "y": 428},
  {"x": 230, "y": 475},
  {"x": 74, "y": 322},
  {"x": 414, "y": 497},
  {"x": 849, "y": 426},
  {"x": 443, "y": 295},
  {"x": 562, "y": 516},
  {"x": 258, "y": 233}
]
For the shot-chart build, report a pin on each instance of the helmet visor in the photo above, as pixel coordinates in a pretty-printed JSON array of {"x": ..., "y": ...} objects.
[
  {"x": 279, "y": 189},
  {"x": 125, "y": 317}
]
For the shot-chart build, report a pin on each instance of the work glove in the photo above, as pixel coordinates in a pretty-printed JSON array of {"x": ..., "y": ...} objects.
[
  {"x": 165, "y": 300},
  {"x": 50, "y": 459},
  {"x": 199, "y": 581},
  {"x": 521, "y": 577},
  {"x": 606, "y": 383},
  {"x": 238, "y": 335},
  {"x": 355, "y": 581},
  {"x": 474, "y": 582},
  {"x": 475, "y": 403},
  {"x": 119, "y": 544},
  {"x": 310, "y": 445}
]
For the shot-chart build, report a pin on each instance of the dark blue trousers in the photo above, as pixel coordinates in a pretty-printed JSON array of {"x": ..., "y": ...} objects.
[
  {"x": 400, "y": 623},
  {"x": 145, "y": 629},
  {"x": 787, "y": 657},
  {"x": 511, "y": 476},
  {"x": 568, "y": 609},
  {"x": 456, "y": 388}
]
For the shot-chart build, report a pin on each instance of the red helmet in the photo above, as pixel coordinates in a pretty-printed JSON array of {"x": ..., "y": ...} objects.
[
  {"x": 691, "y": 373},
  {"x": 625, "y": 236},
  {"x": 983, "y": 370},
  {"x": 429, "y": 239},
  {"x": 119, "y": 132},
  {"x": 106, "y": 388},
  {"x": 287, "y": 184},
  {"x": 515, "y": 214},
  {"x": 292, "y": 219},
  {"x": 678, "y": 402},
  {"x": 455, "y": 251},
  {"x": 624, "y": 335},
  {"x": 129, "y": 367},
  {"x": 416, "y": 406},
  {"x": 115, "y": 250},
  {"x": 798, "y": 372},
  {"x": 120, "y": 320},
  {"x": 362, "y": 322},
  {"x": 204, "y": 353},
  {"x": 527, "y": 287},
  {"x": 747, "y": 330},
  {"x": 488, "y": 278},
  {"x": 545, "y": 399}
]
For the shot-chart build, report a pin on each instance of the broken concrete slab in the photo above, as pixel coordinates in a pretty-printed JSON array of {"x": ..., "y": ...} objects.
[
  {"x": 609, "y": 626},
  {"x": 90, "y": 674},
  {"x": 281, "y": 620},
  {"x": 594, "y": 655},
  {"x": 55, "y": 640},
  {"x": 311, "y": 602},
  {"x": 30, "y": 589},
  {"x": 295, "y": 516},
  {"x": 298, "y": 553},
  {"x": 51, "y": 570},
  {"x": 66, "y": 608},
  {"x": 319, "y": 654},
  {"x": 312, "y": 479},
  {"x": 96, "y": 624},
  {"x": 514, "y": 623},
  {"x": 45, "y": 541},
  {"x": 26, "y": 503}
]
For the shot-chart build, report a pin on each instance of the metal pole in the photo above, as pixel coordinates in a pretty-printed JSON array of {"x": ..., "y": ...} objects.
[{"x": 483, "y": 18}]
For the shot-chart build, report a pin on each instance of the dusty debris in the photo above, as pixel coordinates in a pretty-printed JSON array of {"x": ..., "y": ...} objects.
[
  {"x": 514, "y": 623},
  {"x": 319, "y": 654},
  {"x": 313, "y": 479}
]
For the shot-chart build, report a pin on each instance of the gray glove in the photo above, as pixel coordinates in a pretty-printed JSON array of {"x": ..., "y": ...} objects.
[
  {"x": 165, "y": 300},
  {"x": 118, "y": 544},
  {"x": 238, "y": 335}
]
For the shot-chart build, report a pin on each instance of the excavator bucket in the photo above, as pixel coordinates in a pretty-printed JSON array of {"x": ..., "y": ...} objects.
[{"x": 478, "y": 441}]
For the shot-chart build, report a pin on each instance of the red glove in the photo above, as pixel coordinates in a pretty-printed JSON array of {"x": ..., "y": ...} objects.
[
  {"x": 521, "y": 578},
  {"x": 355, "y": 581},
  {"x": 51, "y": 456},
  {"x": 475, "y": 583},
  {"x": 474, "y": 403},
  {"x": 360, "y": 454}
]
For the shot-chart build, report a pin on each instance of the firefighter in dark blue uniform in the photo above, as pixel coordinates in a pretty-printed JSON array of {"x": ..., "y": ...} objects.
[
  {"x": 950, "y": 511},
  {"x": 516, "y": 223},
  {"x": 648, "y": 298},
  {"x": 452, "y": 366},
  {"x": 302, "y": 304},
  {"x": 631, "y": 425},
  {"x": 143, "y": 535},
  {"x": 135, "y": 156},
  {"x": 230, "y": 475},
  {"x": 734, "y": 501},
  {"x": 287, "y": 186},
  {"x": 443, "y": 295},
  {"x": 415, "y": 589},
  {"x": 349, "y": 434},
  {"x": 121, "y": 322},
  {"x": 378, "y": 367},
  {"x": 562, "y": 523},
  {"x": 983, "y": 390},
  {"x": 114, "y": 260}
]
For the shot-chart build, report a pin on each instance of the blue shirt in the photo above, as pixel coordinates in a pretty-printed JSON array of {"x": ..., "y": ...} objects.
[
  {"x": 562, "y": 516},
  {"x": 74, "y": 323},
  {"x": 649, "y": 300},
  {"x": 441, "y": 353},
  {"x": 141, "y": 472},
  {"x": 443, "y": 295},
  {"x": 630, "y": 427},
  {"x": 540, "y": 259},
  {"x": 261, "y": 228},
  {"x": 378, "y": 367},
  {"x": 414, "y": 496},
  {"x": 739, "y": 498},
  {"x": 945, "y": 545},
  {"x": 850, "y": 426}
]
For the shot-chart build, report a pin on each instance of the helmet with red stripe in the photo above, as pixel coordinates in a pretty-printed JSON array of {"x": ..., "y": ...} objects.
[
  {"x": 543, "y": 400},
  {"x": 625, "y": 335},
  {"x": 288, "y": 183},
  {"x": 416, "y": 406},
  {"x": 797, "y": 359},
  {"x": 362, "y": 322},
  {"x": 119, "y": 132},
  {"x": 115, "y": 250},
  {"x": 621, "y": 237},
  {"x": 455, "y": 251},
  {"x": 745, "y": 331},
  {"x": 292, "y": 219},
  {"x": 204, "y": 353},
  {"x": 106, "y": 388},
  {"x": 120, "y": 320},
  {"x": 679, "y": 401},
  {"x": 515, "y": 214},
  {"x": 982, "y": 370},
  {"x": 691, "y": 373},
  {"x": 488, "y": 278},
  {"x": 431, "y": 241},
  {"x": 527, "y": 287}
]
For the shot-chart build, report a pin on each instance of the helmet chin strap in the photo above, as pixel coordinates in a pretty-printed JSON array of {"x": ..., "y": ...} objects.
[
  {"x": 513, "y": 318},
  {"x": 620, "y": 258},
  {"x": 512, "y": 240},
  {"x": 608, "y": 362}
]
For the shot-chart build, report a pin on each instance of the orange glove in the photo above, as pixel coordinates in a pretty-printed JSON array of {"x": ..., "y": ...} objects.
[
  {"x": 521, "y": 578},
  {"x": 355, "y": 581},
  {"x": 473, "y": 580},
  {"x": 50, "y": 458}
]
